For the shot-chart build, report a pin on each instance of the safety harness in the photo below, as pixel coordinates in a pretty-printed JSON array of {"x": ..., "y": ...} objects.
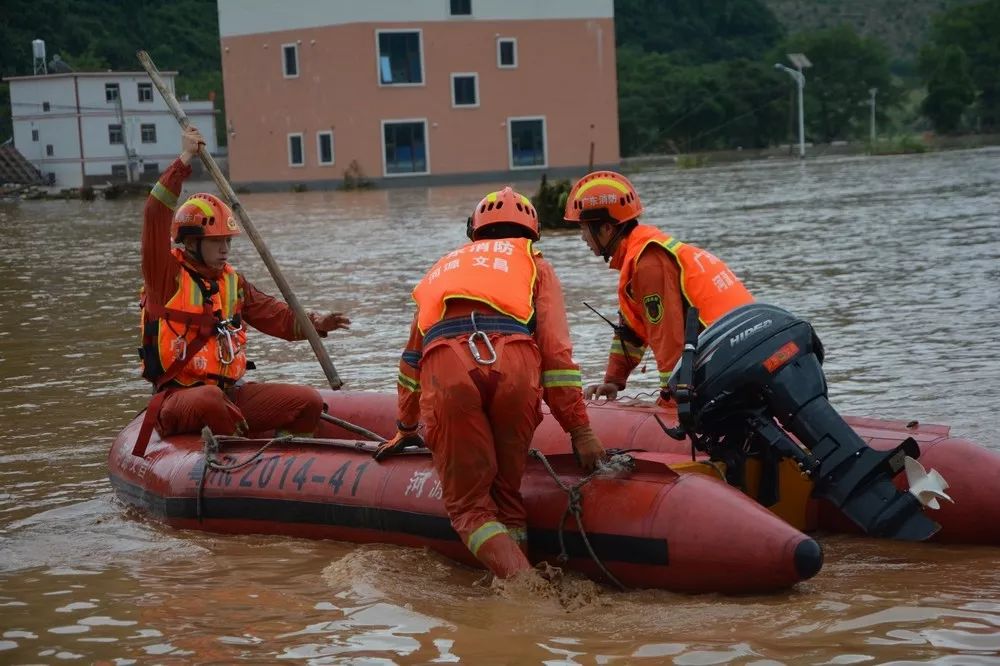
[
  {"x": 206, "y": 322},
  {"x": 455, "y": 326}
]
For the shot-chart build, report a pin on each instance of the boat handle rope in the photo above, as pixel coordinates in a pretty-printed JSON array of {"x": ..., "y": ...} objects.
[
  {"x": 213, "y": 445},
  {"x": 211, "y": 449},
  {"x": 618, "y": 462}
]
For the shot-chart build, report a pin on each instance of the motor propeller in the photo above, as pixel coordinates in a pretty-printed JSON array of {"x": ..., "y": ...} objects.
[{"x": 927, "y": 487}]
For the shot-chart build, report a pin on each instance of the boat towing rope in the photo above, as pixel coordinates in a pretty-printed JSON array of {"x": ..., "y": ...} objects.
[
  {"x": 617, "y": 464},
  {"x": 211, "y": 449}
]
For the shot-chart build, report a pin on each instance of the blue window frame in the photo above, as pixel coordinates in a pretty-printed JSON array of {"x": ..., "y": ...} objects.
[
  {"x": 527, "y": 143},
  {"x": 405, "y": 147}
]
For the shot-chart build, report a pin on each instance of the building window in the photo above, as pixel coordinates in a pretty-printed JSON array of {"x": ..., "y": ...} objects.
[
  {"x": 148, "y": 133},
  {"x": 400, "y": 61},
  {"x": 111, "y": 92},
  {"x": 296, "y": 153},
  {"x": 404, "y": 146},
  {"x": 324, "y": 148},
  {"x": 34, "y": 135},
  {"x": 150, "y": 169},
  {"x": 507, "y": 53},
  {"x": 290, "y": 60},
  {"x": 49, "y": 150},
  {"x": 145, "y": 92},
  {"x": 527, "y": 142},
  {"x": 464, "y": 90},
  {"x": 119, "y": 171},
  {"x": 115, "y": 134},
  {"x": 461, "y": 7},
  {"x": 45, "y": 106}
]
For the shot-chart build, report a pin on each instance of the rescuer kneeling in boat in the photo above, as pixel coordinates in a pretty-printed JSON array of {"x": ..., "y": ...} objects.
[
  {"x": 195, "y": 312},
  {"x": 660, "y": 278},
  {"x": 488, "y": 342}
]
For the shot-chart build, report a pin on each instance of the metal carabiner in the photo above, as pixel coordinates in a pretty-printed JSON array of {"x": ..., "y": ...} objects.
[
  {"x": 180, "y": 348},
  {"x": 479, "y": 335},
  {"x": 225, "y": 330}
]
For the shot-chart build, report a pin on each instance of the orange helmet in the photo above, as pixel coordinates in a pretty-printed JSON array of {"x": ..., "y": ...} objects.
[
  {"x": 202, "y": 216},
  {"x": 603, "y": 196},
  {"x": 504, "y": 207}
]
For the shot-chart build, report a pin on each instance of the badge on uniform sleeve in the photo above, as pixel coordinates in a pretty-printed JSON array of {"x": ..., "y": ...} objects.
[{"x": 654, "y": 308}]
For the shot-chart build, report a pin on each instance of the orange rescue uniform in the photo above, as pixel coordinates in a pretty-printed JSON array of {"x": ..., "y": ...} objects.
[
  {"x": 480, "y": 418},
  {"x": 660, "y": 278},
  {"x": 196, "y": 399}
]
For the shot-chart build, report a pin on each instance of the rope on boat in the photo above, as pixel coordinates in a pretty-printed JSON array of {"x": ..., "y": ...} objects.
[
  {"x": 211, "y": 450},
  {"x": 616, "y": 464}
]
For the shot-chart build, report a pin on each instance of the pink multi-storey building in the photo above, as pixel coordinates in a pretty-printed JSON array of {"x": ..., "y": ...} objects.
[{"x": 417, "y": 91}]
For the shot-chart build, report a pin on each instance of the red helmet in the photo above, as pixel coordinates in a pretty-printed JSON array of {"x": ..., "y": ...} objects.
[
  {"x": 505, "y": 206},
  {"x": 203, "y": 216},
  {"x": 603, "y": 196}
]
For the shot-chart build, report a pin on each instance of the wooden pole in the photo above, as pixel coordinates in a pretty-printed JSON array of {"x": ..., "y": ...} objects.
[
  {"x": 590, "y": 162},
  {"x": 356, "y": 429},
  {"x": 227, "y": 191}
]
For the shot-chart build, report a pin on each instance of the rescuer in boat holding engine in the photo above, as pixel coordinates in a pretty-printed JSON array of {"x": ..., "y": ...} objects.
[
  {"x": 195, "y": 310},
  {"x": 757, "y": 364},
  {"x": 660, "y": 278},
  {"x": 488, "y": 342}
]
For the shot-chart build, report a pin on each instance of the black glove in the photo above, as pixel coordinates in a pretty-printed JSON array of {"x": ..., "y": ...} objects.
[{"x": 404, "y": 438}]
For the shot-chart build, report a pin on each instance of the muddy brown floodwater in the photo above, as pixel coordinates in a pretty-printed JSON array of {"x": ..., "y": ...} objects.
[{"x": 895, "y": 260}]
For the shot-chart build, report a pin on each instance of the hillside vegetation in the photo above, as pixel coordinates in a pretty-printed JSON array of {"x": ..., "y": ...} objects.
[
  {"x": 693, "y": 75},
  {"x": 96, "y": 35},
  {"x": 902, "y": 25}
]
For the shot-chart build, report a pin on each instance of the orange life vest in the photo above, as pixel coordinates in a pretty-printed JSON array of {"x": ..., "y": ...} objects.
[
  {"x": 500, "y": 273},
  {"x": 200, "y": 327},
  {"x": 706, "y": 281}
]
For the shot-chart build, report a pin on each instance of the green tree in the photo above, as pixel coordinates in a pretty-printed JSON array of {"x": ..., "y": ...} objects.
[
  {"x": 950, "y": 89},
  {"x": 181, "y": 35},
  {"x": 664, "y": 106},
  {"x": 695, "y": 31},
  {"x": 976, "y": 29},
  {"x": 88, "y": 61},
  {"x": 845, "y": 66},
  {"x": 692, "y": 75}
]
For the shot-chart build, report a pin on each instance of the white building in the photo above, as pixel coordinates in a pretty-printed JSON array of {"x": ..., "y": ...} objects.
[{"x": 81, "y": 128}]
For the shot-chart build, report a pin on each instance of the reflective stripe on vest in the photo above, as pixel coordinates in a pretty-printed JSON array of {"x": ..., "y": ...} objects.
[
  {"x": 706, "y": 281},
  {"x": 214, "y": 360},
  {"x": 500, "y": 273}
]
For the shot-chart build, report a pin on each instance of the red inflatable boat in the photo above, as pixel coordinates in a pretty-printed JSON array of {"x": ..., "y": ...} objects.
[
  {"x": 671, "y": 523},
  {"x": 657, "y": 527},
  {"x": 972, "y": 471}
]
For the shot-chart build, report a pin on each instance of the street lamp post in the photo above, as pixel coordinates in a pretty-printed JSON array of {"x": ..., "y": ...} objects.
[
  {"x": 800, "y": 61},
  {"x": 873, "y": 92}
]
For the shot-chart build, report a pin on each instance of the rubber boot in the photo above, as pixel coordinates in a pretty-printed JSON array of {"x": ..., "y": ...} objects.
[{"x": 501, "y": 555}]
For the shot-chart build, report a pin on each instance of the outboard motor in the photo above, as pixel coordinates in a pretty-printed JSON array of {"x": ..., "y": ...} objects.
[{"x": 759, "y": 364}]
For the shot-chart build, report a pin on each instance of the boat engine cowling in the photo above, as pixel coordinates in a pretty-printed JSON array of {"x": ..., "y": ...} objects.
[{"x": 759, "y": 364}]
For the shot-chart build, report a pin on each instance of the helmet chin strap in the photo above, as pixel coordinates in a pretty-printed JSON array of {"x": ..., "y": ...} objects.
[
  {"x": 196, "y": 255},
  {"x": 606, "y": 248}
]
